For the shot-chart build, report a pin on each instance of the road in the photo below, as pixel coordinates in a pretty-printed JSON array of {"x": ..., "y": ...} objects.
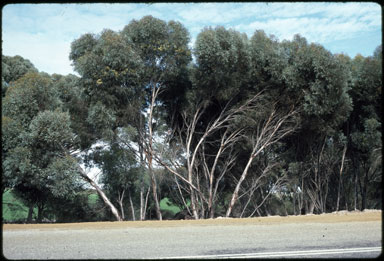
[{"x": 302, "y": 237}]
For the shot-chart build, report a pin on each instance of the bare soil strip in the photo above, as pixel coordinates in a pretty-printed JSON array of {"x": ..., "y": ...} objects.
[{"x": 342, "y": 216}]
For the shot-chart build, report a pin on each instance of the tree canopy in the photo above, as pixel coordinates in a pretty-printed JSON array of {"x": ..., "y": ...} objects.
[{"x": 234, "y": 126}]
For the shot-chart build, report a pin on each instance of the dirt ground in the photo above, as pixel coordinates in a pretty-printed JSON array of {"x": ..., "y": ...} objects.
[{"x": 335, "y": 217}]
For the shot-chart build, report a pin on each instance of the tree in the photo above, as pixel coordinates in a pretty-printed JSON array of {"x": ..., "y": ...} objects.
[
  {"x": 249, "y": 127},
  {"x": 266, "y": 132},
  {"x": 33, "y": 103},
  {"x": 363, "y": 125},
  {"x": 33, "y": 161},
  {"x": 320, "y": 81},
  {"x": 163, "y": 48},
  {"x": 121, "y": 172},
  {"x": 124, "y": 74},
  {"x": 13, "y": 67},
  {"x": 110, "y": 71},
  {"x": 222, "y": 64}
]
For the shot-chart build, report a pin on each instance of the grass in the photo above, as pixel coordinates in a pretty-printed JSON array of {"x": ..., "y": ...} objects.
[
  {"x": 166, "y": 205},
  {"x": 92, "y": 198},
  {"x": 13, "y": 208}
]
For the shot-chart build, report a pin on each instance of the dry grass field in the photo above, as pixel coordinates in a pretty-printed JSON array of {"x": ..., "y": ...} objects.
[{"x": 335, "y": 217}]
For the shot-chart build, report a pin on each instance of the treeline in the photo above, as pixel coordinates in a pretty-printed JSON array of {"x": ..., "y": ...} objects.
[{"x": 233, "y": 127}]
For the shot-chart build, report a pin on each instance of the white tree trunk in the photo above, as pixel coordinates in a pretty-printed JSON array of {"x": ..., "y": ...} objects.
[{"x": 107, "y": 202}]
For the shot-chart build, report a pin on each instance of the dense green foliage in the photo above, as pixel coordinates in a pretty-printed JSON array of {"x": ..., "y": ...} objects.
[{"x": 248, "y": 127}]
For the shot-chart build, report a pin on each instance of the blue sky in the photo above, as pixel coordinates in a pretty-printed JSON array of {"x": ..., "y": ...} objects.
[{"x": 43, "y": 33}]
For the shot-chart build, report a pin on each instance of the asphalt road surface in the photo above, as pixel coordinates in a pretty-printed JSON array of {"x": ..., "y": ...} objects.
[{"x": 278, "y": 237}]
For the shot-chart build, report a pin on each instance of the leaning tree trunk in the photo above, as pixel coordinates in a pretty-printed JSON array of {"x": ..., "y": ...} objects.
[
  {"x": 132, "y": 208},
  {"x": 107, "y": 202},
  {"x": 340, "y": 178},
  {"x": 235, "y": 194}
]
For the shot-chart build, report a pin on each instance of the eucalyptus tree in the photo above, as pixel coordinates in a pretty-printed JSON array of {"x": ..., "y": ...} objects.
[
  {"x": 12, "y": 68},
  {"x": 110, "y": 77},
  {"x": 37, "y": 133},
  {"x": 320, "y": 83},
  {"x": 128, "y": 76},
  {"x": 74, "y": 102},
  {"x": 222, "y": 64},
  {"x": 232, "y": 68},
  {"x": 216, "y": 117},
  {"x": 364, "y": 126},
  {"x": 163, "y": 48}
]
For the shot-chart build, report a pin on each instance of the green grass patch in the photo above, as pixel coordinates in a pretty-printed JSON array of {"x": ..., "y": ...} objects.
[
  {"x": 166, "y": 205},
  {"x": 92, "y": 198},
  {"x": 14, "y": 209}
]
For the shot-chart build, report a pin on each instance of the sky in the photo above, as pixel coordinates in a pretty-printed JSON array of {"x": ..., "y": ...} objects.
[{"x": 42, "y": 33}]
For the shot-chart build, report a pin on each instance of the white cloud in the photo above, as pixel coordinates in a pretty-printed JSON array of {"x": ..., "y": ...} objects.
[
  {"x": 44, "y": 37},
  {"x": 210, "y": 13},
  {"x": 317, "y": 28},
  {"x": 43, "y": 32}
]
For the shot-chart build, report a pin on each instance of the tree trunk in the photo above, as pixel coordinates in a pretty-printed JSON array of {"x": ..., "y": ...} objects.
[
  {"x": 107, "y": 202},
  {"x": 311, "y": 207},
  {"x": 235, "y": 193},
  {"x": 142, "y": 203},
  {"x": 155, "y": 196},
  {"x": 120, "y": 200},
  {"x": 269, "y": 133},
  {"x": 149, "y": 152},
  {"x": 364, "y": 192},
  {"x": 341, "y": 172},
  {"x": 30, "y": 212},
  {"x": 146, "y": 201},
  {"x": 193, "y": 205},
  {"x": 121, "y": 210},
  {"x": 40, "y": 209},
  {"x": 355, "y": 191},
  {"x": 132, "y": 208},
  {"x": 338, "y": 194}
]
